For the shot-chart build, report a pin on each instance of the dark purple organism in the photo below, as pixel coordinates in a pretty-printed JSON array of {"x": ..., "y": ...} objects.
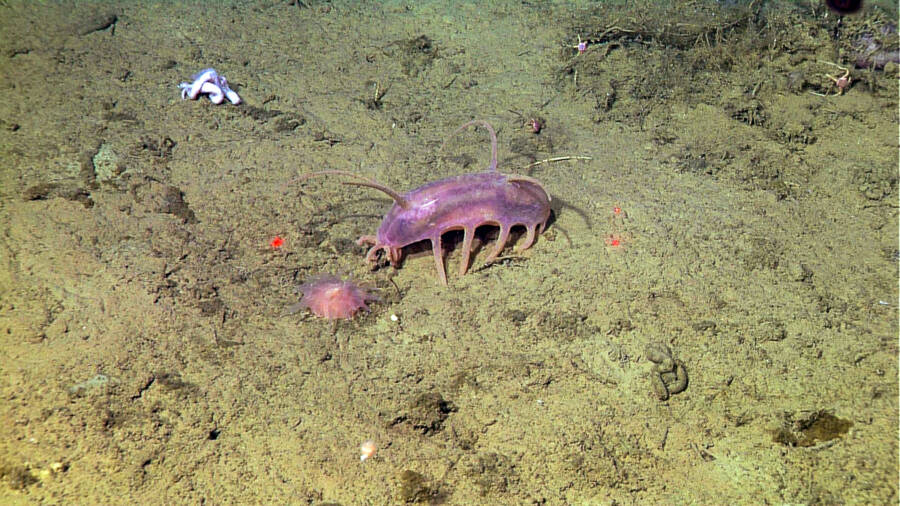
[
  {"x": 463, "y": 202},
  {"x": 844, "y": 6}
]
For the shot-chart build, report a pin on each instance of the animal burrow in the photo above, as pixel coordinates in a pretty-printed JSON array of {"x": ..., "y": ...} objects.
[{"x": 426, "y": 413}]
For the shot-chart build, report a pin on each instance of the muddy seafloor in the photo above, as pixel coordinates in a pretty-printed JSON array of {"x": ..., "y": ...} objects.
[{"x": 735, "y": 227}]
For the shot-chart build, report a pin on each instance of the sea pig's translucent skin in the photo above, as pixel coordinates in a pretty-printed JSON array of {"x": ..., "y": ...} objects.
[{"x": 462, "y": 202}]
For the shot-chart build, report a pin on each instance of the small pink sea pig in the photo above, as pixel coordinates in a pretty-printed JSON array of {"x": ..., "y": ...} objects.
[{"x": 328, "y": 296}]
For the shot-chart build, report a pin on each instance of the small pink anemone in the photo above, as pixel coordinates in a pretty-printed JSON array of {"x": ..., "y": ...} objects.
[{"x": 328, "y": 296}]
